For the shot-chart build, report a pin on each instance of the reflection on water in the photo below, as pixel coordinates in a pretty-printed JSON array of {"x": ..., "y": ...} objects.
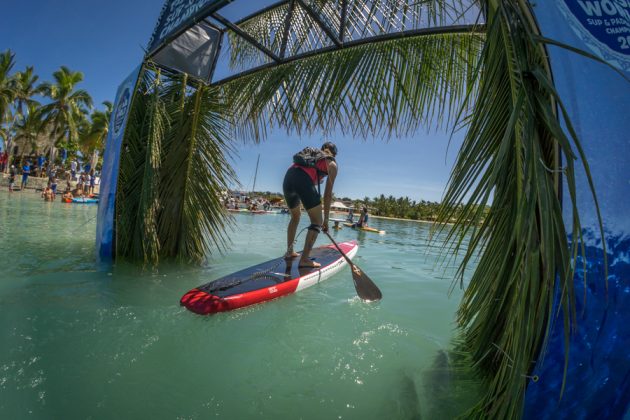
[{"x": 80, "y": 340}]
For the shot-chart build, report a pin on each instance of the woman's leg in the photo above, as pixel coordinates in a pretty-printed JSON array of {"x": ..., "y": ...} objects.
[
  {"x": 293, "y": 224},
  {"x": 315, "y": 214}
]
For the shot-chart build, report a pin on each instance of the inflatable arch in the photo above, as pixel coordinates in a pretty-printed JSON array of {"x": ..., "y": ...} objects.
[{"x": 190, "y": 33}]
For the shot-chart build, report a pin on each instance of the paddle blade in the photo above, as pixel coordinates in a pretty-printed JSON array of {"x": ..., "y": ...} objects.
[{"x": 366, "y": 289}]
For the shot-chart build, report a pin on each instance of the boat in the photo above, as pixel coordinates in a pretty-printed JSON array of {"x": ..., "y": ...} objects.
[
  {"x": 365, "y": 229},
  {"x": 266, "y": 281}
]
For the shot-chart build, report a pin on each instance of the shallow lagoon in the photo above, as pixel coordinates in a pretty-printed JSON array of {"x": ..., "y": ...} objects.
[{"x": 83, "y": 341}]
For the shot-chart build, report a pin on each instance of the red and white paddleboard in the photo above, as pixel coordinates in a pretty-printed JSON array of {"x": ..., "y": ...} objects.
[{"x": 266, "y": 281}]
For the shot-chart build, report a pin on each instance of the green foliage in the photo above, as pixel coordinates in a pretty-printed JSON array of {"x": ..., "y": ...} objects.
[
  {"x": 67, "y": 108},
  {"x": 383, "y": 89},
  {"x": 513, "y": 138},
  {"x": 29, "y": 127},
  {"x": 7, "y": 86},
  {"x": 174, "y": 167},
  {"x": 93, "y": 136},
  {"x": 26, "y": 88}
]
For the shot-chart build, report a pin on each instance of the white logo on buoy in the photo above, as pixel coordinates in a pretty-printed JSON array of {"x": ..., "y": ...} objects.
[
  {"x": 603, "y": 25},
  {"x": 121, "y": 111}
]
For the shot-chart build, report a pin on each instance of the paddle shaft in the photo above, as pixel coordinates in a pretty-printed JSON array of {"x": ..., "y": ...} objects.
[{"x": 339, "y": 249}]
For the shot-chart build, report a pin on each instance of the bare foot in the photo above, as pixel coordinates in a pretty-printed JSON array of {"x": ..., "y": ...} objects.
[
  {"x": 309, "y": 264},
  {"x": 290, "y": 255}
]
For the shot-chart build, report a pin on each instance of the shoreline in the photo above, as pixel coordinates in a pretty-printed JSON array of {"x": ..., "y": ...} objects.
[{"x": 401, "y": 219}]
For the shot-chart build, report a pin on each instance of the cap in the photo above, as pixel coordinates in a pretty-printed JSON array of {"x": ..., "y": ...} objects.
[{"x": 330, "y": 146}]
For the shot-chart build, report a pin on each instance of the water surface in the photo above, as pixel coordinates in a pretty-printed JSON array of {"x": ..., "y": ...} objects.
[{"x": 82, "y": 341}]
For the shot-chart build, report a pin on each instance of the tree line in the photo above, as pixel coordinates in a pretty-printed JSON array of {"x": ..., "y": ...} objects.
[
  {"x": 401, "y": 207},
  {"x": 66, "y": 120}
]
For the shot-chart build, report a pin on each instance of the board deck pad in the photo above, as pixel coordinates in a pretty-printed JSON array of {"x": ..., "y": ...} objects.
[
  {"x": 266, "y": 281},
  {"x": 267, "y": 274}
]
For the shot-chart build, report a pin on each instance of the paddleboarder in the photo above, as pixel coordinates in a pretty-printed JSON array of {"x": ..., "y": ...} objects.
[
  {"x": 301, "y": 184},
  {"x": 363, "y": 219}
]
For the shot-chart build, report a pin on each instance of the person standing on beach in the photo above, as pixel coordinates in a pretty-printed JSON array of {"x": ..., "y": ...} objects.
[
  {"x": 53, "y": 186},
  {"x": 12, "y": 173},
  {"x": 310, "y": 168},
  {"x": 73, "y": 169},
  {"x": 92, "y": 182},
  {"x": 4, "y": 159},
  {"x": 40, "y": 165},
  {"x": 26, "y": 171}
]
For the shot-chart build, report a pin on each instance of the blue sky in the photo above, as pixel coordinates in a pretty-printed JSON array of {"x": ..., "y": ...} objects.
[{"x": 105, "y": 41}]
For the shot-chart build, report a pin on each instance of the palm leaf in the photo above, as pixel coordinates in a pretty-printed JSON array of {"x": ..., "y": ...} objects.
[
  {"x": 146, "y": 233},
  {"x": 132, "y": 160},
  {"x": 513, "y": 139},
  {"x": 363, "y": 19},
  {"x": 390, "y": 88},
  {"x": 174, "y": 167}
]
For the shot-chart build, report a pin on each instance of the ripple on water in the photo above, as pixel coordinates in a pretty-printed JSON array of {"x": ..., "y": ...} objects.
[{"x": 111, "y": 342}]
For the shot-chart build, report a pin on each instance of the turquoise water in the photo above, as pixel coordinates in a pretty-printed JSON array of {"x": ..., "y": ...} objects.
[{"x": 82, "y": 341}]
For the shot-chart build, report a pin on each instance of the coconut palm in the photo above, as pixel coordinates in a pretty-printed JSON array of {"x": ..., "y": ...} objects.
[
  {"x": 26, "y": 87},
  {"x": 93, "y": 136},
  {"x": 173, "y": 170},
  {"x": 7, "y": 94},
  {"x": 7, "y": 85},
  {"x": 28, "y": 128},
  {"x": 68, "y": 106}
]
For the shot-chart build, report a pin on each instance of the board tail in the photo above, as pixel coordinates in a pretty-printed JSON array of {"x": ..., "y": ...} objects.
[{"x": 203, "y": 303}]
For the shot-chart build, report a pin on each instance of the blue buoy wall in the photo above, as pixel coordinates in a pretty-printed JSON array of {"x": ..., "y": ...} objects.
[{"x": 598, "y": 100}]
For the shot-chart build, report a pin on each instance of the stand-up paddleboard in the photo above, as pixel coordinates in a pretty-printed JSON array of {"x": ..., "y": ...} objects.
[
  {"x": 266, "y": 281},
  {"x": 365, "y": 229},
  {"x": 337, "y": 223}
]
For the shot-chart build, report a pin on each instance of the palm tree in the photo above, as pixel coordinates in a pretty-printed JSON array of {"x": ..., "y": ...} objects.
[
  {"x": 28, "y": 128},
  {"x": 67, "y": 108},
  {"x": 7, "y": 94},
  {"x": 92, "y": 140},
  {"x": 7, "y": 86},
  {"x": 25, "y": 89}
]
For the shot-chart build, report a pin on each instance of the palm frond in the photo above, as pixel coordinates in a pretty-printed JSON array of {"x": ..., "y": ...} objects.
[
  {"x": 513, "y": 139},
  {"x": 7, "y": 86},
  {"x": 173, "y": 170},
  {"x": 132, "y": 160},
  {"x": 363, "y": 19},
  {"x": 383, "y": 89}
]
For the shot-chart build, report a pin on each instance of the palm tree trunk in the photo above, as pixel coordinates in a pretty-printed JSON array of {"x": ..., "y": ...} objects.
[{"x": 9, "y": 146}]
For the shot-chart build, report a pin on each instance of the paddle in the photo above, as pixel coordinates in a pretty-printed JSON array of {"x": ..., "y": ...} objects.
[{"x": 366, "y": 289}]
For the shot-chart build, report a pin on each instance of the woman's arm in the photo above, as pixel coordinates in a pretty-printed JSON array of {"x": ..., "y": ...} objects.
[{"x": 330, "y": 182}]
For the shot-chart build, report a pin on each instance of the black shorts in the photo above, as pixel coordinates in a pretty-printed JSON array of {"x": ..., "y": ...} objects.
[{"x": 298, "y": 186}]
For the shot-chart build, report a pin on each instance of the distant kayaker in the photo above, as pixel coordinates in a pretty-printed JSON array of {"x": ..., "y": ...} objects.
[{"x": 301, "y": 184}]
